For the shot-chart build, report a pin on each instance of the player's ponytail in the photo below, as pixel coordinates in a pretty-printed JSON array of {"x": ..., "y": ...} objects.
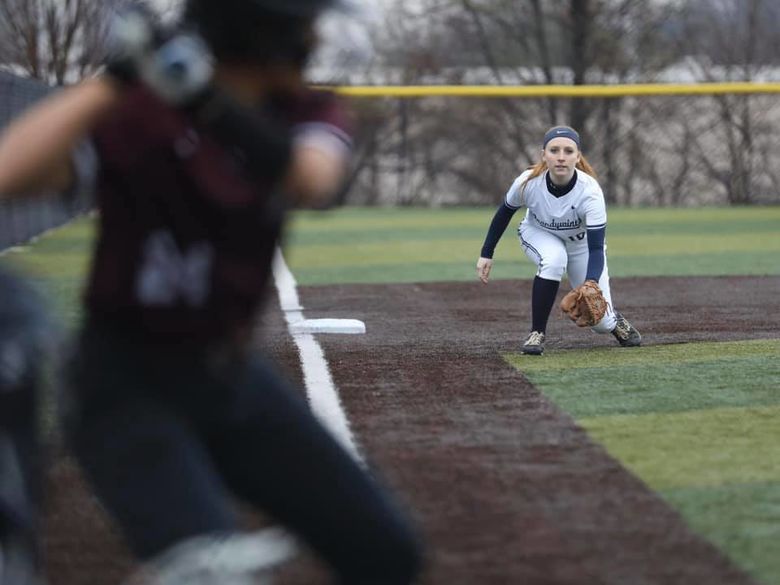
[
  {"x": 585, "y": 167},
  {"x": 536, "y": 170}
]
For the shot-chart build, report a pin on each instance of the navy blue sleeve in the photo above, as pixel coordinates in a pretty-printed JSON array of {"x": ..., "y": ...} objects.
[
  {"x": 501, "y": 219},
  {"x": 596, "y": 239}
]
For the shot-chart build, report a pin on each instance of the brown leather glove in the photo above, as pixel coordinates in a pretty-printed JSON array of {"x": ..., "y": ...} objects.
[{"x": 585, "y": 305}]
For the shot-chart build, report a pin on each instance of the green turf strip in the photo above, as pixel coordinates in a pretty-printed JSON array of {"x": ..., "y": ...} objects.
[
  {"x": 361, "y": 245},
  {"x": 345, "y": 225},
  {"x": 743, "y": 520},
  {"x": 681, "y": 264},
  {"x": 659, "y": 355},
  {"x": 403, "y": 273},
  {"x": 672, "y": 388},
  {"x": 52, "y": 264},
  {"x": 666, "y": 390},
  {"x": 699, "y": 423},
  {"x": 676, "y": 221},
  {"x": 324, "y": 271},
  {"x": 652, "y": 244},
  {"x": 381, "y": 253},
  {"x": 620, "y": 241},
  {"x": 399, "y": 233},
  {"x": 697, "y": 448},
  {"x": 380, "y": 245},
  {"x": 674, "y": 218},
  {"x": 448, "y": 260},
  {"x": 57, "y": 264},
  {"x": 648, "y": 403}
]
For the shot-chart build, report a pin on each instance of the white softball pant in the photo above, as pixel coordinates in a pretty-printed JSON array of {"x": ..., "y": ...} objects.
[{"x": 554, "y": 257}]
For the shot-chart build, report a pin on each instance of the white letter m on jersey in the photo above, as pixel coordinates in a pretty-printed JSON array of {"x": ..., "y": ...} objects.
[{"x": 168, "y": 274}]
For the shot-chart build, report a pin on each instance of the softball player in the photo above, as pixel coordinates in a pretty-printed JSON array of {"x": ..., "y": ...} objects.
[
  {"x": 174, "y": 412},
  {"x": 563, "y": 231}
]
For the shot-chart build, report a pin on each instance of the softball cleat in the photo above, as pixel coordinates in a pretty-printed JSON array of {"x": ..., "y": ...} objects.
[
  {"x": 625, "y": 333},
  {"x": 534, "y": 344}
]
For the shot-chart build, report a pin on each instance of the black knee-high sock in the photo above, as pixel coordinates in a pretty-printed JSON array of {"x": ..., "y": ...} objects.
[{"x": 542, "y": 301}]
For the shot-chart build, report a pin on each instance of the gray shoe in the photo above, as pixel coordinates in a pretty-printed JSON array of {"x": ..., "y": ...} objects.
[
  {"x": 534, "y": 344},
  {"x": 625, "y": 333}
]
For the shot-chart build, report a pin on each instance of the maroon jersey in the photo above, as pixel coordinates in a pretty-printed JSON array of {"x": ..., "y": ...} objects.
[{"x": 186, "y": 235}]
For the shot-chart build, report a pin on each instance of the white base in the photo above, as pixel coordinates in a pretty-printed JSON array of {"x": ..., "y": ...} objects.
[{"x": 351, "y": 326}]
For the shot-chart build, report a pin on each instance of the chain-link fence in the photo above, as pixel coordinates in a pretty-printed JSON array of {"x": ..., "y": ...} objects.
[
  {"x": 25, "y": 218},
  {"x": 682, "y": 150}
]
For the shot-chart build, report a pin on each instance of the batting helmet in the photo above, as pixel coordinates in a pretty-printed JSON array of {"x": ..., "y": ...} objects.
[
  {"x": 299, "y": 8},
  {"x": 264, "y": 31}
]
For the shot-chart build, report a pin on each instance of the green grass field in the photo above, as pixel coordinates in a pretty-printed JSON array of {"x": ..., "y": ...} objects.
[
  {"x": 681, "y": 417},
  {"x": 370, "y": 245},
  {"x": 421, "y": 245}
]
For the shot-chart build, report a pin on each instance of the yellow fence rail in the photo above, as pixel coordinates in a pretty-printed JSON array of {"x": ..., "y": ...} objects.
[{"x": 563, "y": 91}]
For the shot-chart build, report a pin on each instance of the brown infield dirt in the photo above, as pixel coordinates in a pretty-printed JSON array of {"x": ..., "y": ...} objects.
[{"x": 504, "y": 486}]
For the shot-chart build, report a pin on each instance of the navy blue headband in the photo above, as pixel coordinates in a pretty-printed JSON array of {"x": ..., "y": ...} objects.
[{"x": 561, "y": 132}]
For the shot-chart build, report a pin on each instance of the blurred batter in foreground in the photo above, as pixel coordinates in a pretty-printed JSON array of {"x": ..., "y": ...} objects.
[{"x": 204, "y": 136}]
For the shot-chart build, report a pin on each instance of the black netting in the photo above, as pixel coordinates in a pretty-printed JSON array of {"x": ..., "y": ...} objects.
[{"x": 686, "y": 150}]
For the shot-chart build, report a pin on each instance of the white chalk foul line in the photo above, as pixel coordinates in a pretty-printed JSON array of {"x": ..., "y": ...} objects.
[{"x": 320, "y": 389}]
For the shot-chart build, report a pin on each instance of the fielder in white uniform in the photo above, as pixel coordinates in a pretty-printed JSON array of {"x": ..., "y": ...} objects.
[{"x": 563, "y": 231}]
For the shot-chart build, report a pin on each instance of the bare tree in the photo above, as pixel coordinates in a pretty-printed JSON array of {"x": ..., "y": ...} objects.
[
  {"x": 733, "y": 34},
  {"x": 58, "y": 41},
  {"x": 469, "y": 149},
  {"x": 581, "y": 23}
]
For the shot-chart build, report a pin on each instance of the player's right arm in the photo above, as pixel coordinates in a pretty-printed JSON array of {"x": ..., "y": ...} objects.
[
  {"x": 500, "y": 221},
  {"x": 36, "y": 148}
]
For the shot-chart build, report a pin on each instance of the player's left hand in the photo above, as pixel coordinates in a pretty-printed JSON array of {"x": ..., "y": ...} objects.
[
  {"x": 483, "y": 269},
  {"x": 585, "y": 305}
]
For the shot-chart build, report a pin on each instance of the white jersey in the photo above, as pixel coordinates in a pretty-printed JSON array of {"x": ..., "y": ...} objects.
[{"x": 568, "y": 216}]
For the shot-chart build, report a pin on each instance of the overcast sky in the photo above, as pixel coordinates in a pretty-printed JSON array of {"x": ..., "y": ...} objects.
[
  {"x": 364, "y": 9},
  {"x": 345, "y": 37}
]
